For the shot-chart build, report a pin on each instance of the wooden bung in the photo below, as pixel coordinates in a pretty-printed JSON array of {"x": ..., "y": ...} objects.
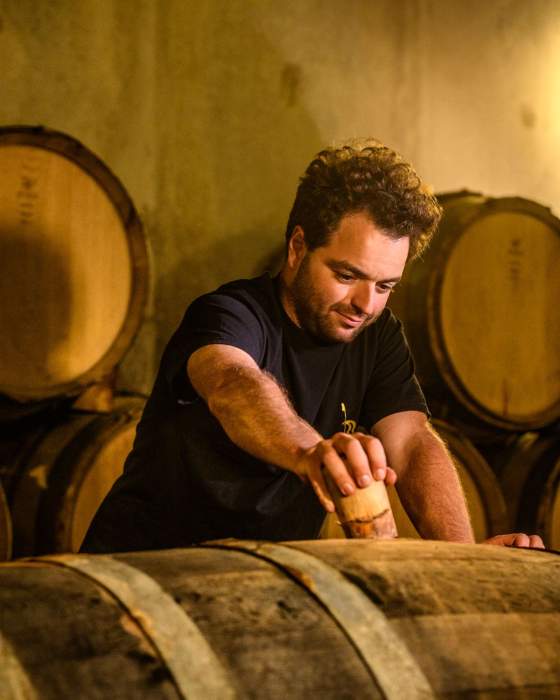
[{"x": 366, "y": 514}]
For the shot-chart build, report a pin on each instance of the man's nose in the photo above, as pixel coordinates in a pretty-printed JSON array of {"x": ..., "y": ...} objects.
[{"x": 365, "y": 298}]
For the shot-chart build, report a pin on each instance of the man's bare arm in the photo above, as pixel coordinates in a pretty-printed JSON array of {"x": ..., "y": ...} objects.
[
  {"x": 258, "y": 417},
  {"x": 428, "y": 484}
]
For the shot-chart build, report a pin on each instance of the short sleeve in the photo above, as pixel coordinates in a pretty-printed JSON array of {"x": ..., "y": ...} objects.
[
  {"x": 213, "y": 319},
  {"x": 393, "y": 386}
]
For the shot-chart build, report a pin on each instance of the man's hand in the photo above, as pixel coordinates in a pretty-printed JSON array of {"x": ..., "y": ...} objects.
[
  {"x": 353, "y": 461},
  {"x": 258, "y": 417},
  {"x": 516, "y": 539}
]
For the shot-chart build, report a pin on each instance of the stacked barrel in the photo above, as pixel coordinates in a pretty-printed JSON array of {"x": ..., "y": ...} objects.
[
  {"x": 73, "y": 291},
  {"x": 482, "y": 315}
]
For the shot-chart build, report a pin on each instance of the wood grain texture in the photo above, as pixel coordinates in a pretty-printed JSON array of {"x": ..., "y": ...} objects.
[
  {"x": 480, "y": 621},
  {"x": 366, "y": 513},
  {"x": 167, "y": 626},
  {"x": 74, "y": 279},
  {"x": 272, "y": 636},
  {"x": 468, "y": 612},
  {"x": 481, "y": 311},
  {"x": 530, "y": 476},
  {"x": 71, "y": 639},
  {"x": 62, "y": 471},
  {"x": 392, "y": 667}
]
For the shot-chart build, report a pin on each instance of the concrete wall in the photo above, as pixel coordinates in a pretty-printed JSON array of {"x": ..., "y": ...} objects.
[{"x": 209, "y": 110}]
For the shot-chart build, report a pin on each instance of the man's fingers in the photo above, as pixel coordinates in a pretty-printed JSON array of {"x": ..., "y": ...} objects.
[
  {"x": 521, "y": 540},
  {"x": 391, "y": 477},
  {"x": 351, "y": 461},
  {"x": 333, "y": 463},
  {"x": 517, "y": 539},
  {"x": 357, "y": 460},
  {"x": 377, "y": 459},
  {"x": 363, "y": 460},
  {"x": 319, "y": 486},
  {"x": 325, "y": 456}
]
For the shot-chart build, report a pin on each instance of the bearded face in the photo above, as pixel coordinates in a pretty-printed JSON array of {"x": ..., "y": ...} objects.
[
  {"x": 328, "y": 322},
  {"x": 338, "y": 289}
]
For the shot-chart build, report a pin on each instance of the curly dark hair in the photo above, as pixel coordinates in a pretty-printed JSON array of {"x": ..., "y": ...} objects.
[{"x": 364, "y": 177}]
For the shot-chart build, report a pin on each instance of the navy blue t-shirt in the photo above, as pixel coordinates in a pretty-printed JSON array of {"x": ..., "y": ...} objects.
[{"x": 185, "y": 481}]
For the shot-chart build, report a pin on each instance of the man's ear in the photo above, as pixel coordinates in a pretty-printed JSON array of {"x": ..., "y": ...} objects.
[{"x": 297, "y": 248}]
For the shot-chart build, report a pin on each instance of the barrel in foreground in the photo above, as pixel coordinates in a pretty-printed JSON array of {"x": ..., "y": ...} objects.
[{"x": 331, "y": 619}]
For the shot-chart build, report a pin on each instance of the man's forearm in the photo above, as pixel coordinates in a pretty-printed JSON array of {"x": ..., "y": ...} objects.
[
  {"x": 257, "y": 416},
  {"x": 431, "y": 493}
]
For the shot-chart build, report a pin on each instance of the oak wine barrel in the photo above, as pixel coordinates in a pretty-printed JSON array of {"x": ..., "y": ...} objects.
[
  {"x": 530, "y": 477},
  {"x": 483, "y": 494},
  {"x": 238, "y": 619},
  {"x": 57, "y": 474},
  {"x": 74, "y": 268},
  {"x": 481, "y": 311}
]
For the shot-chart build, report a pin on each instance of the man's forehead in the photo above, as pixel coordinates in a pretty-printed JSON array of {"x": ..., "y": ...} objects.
[
  {"x": 359, "y": 224},
  {"x": 360, "y": 242}
]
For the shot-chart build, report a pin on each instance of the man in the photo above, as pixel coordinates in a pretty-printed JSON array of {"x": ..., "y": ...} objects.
[{"x": 264, "y": 381}]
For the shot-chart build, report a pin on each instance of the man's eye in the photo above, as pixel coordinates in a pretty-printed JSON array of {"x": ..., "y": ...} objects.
[
  {"x": 344, "y": 277},
  {"x": 385, "y": 288}
]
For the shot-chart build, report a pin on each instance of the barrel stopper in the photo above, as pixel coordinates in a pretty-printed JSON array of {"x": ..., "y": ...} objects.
[{"x": 366, "y": 514}]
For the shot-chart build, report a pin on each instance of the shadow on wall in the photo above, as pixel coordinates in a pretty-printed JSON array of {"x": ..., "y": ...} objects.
[
  {"x": 271, "y": 263},
  {"x": 232, "y": 144},
  {"x": 244, "y": 246}
]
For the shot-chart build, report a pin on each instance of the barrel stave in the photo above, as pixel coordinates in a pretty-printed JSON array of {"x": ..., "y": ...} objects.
[
  {"x": 529, "y": 470},
  {"x": 274, "y": 638},
  {"x": 466, "y": 612},
  {"x": 58, "y": 471},
  {"x": 72, "y": 639},
  {"x": 522, "y": 650}
]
